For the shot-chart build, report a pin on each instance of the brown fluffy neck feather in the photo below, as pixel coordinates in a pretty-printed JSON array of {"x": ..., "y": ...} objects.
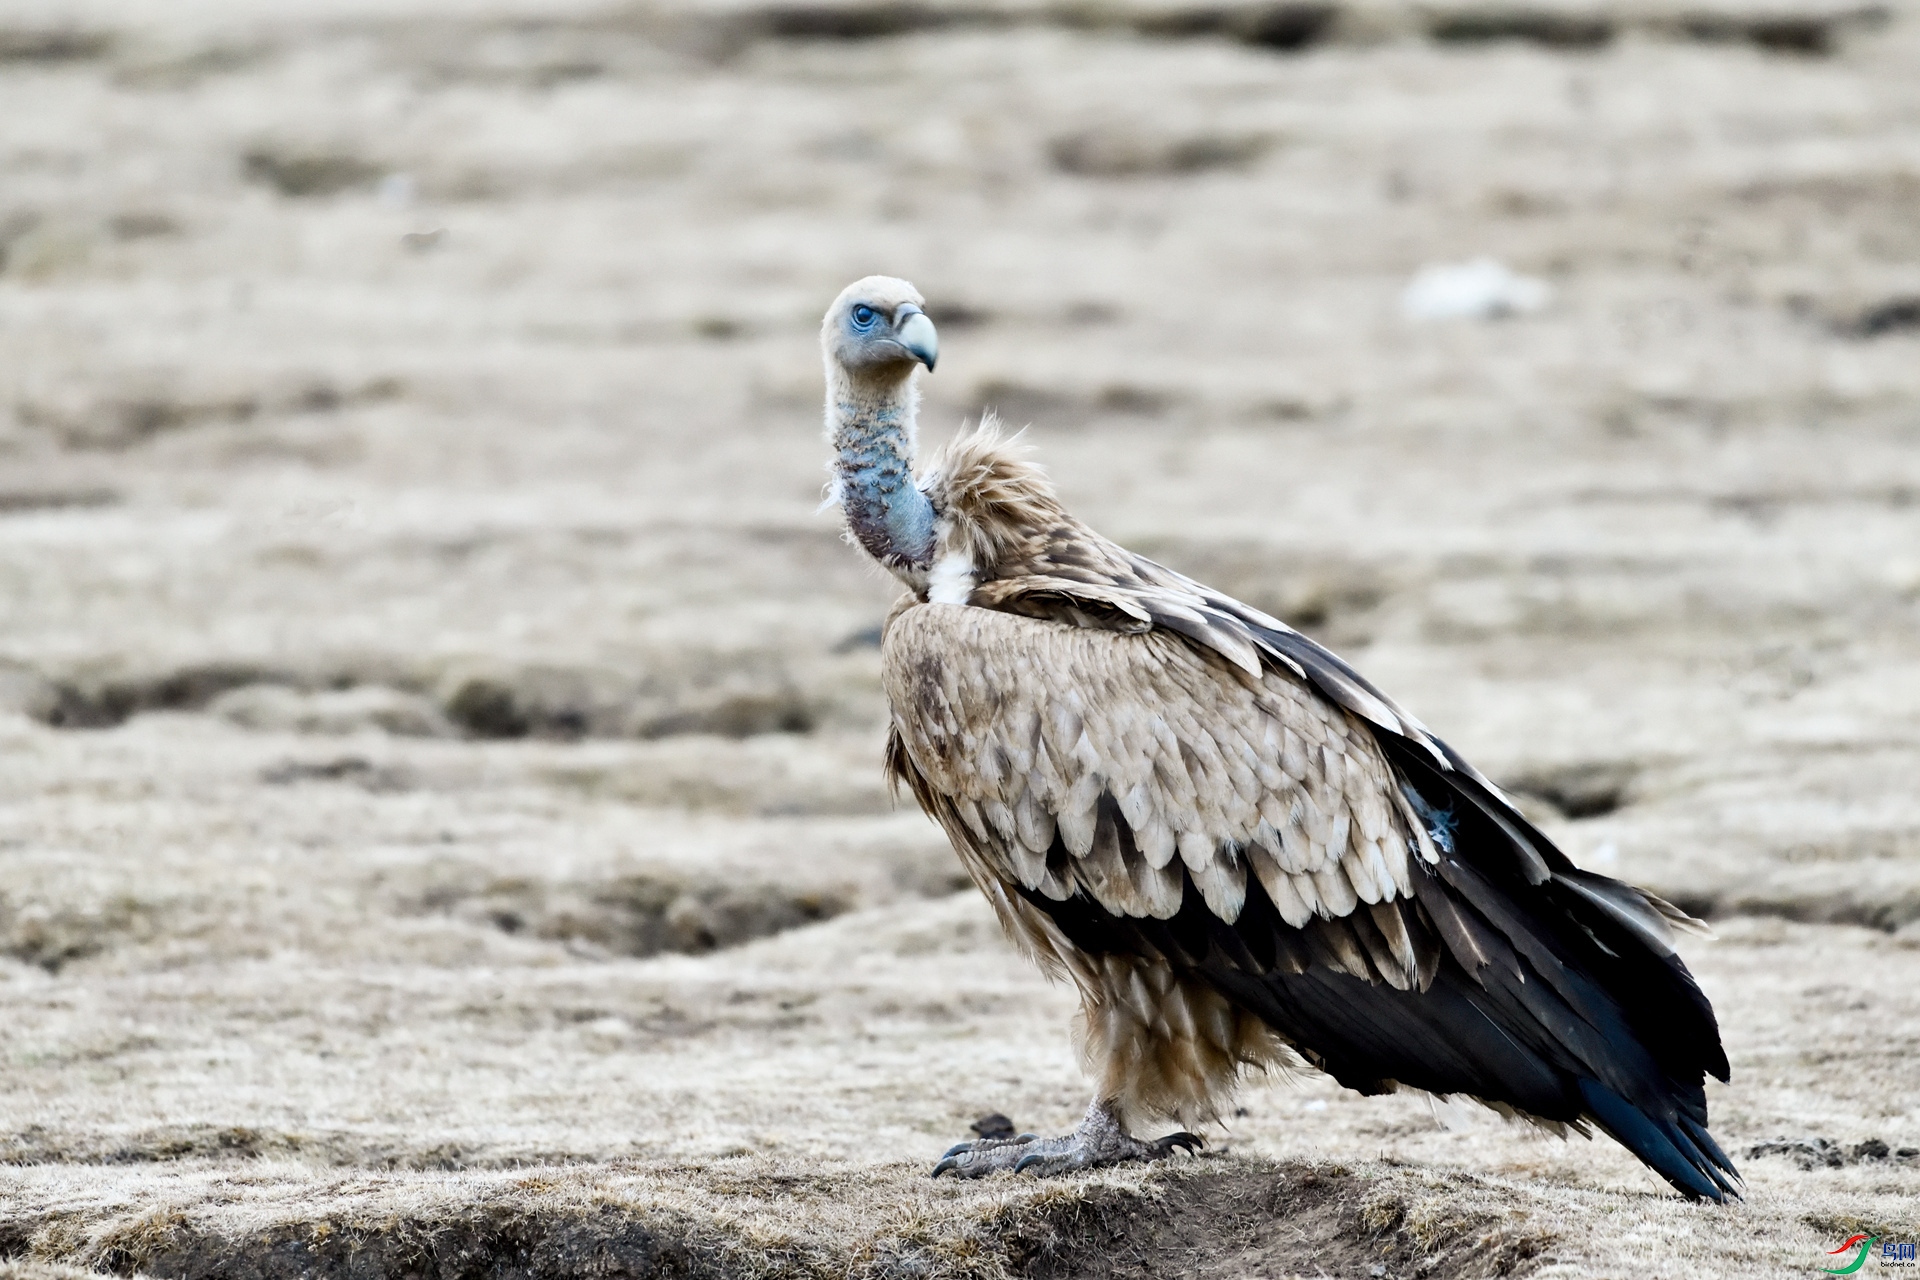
[{"x": 996, "y": 500}]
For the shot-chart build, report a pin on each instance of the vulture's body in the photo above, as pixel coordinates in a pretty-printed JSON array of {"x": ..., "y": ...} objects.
[{"x": 1235, "y": 847}]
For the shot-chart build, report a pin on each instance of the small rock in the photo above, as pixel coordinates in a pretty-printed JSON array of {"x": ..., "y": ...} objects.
[
  {"x": 1482, "y": 289},
  {"x": 993, "y": 1125}
]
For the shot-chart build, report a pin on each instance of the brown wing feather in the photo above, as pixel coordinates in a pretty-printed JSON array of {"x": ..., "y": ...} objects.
[{"x": 1145, "y": 754}]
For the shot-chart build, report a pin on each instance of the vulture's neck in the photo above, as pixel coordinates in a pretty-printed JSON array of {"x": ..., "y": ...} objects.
[{"x": 871, "y": 425}]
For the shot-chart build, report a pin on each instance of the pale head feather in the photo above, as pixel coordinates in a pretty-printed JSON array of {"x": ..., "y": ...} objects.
[{"x": 848, "y": 355}]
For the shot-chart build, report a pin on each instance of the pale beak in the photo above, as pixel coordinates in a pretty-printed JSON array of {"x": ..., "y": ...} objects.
[{"x": 914, "y": 332}]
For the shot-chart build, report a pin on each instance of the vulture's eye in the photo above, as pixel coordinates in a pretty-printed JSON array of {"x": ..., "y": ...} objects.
[{"x": 863, "y": 315}]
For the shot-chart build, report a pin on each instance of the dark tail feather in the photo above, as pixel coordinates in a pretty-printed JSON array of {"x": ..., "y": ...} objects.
[
  {"x": 1704, "y": 1141},
  {"x": 1683, "y": 1137},
  {"x": 1668, "y": 1149}
]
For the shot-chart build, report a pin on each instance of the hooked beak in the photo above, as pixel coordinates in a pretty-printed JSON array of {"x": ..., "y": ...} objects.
[{"x": 914, "y": 332}]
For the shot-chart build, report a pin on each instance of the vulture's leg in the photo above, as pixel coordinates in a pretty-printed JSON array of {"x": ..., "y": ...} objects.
[{"x": 1100, "y": 1140}]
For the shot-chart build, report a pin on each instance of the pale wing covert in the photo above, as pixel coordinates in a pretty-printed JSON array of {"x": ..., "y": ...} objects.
[{"x": 1032, "y": 728}]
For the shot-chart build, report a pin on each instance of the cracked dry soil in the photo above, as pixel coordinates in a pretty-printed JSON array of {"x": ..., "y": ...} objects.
[{"x": 441, "y": 829}]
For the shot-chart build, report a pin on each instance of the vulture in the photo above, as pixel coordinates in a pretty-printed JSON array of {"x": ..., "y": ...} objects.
[{"x": 1242, "y": 854}]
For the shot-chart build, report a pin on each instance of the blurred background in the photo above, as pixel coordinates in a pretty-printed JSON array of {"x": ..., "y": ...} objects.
[{"x": 441, "y": 730}]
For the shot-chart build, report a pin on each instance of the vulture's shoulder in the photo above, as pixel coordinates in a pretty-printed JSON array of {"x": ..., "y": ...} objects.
[{"x": 1030, "y": 557}]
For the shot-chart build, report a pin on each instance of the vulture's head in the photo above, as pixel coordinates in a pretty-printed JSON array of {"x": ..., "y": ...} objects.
[{"x": 875, "y": 329}]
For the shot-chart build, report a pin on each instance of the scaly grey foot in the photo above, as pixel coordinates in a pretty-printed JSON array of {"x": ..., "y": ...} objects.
[{"x": 1100, "y": 1140}]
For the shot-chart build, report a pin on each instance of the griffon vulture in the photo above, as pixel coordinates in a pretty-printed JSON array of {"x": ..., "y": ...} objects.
[{"x": 1235, "y": 847}]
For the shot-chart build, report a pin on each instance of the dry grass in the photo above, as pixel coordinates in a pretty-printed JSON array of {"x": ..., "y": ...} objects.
[{"x": 441, "y": 831}]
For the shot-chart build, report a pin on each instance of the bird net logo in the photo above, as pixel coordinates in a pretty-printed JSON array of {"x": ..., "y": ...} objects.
[{"x": 1856, "y": 1249}]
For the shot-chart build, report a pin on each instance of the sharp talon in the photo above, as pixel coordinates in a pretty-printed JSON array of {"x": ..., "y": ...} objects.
[
  {"x": 1183, "y": 1141},
  {"x": 1036, "y": 1158},
  {"x": 954, "y": 1150},
  {"x": 946, "y": 1164},
  {"x": 1028, "y": 1137}
]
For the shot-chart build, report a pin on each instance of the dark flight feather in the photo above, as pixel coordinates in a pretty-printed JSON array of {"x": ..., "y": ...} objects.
[{"x": 1545, "y": 1038}]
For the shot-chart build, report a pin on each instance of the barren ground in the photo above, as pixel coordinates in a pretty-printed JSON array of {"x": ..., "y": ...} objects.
[{"x": 440, "y": 825}]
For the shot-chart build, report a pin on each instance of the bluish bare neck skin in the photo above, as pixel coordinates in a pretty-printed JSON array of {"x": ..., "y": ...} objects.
[{"x": 874, "y": 441}]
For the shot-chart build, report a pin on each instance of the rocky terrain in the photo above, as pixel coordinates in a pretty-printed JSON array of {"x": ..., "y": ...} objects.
[{"x": 441, "y": 826}]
